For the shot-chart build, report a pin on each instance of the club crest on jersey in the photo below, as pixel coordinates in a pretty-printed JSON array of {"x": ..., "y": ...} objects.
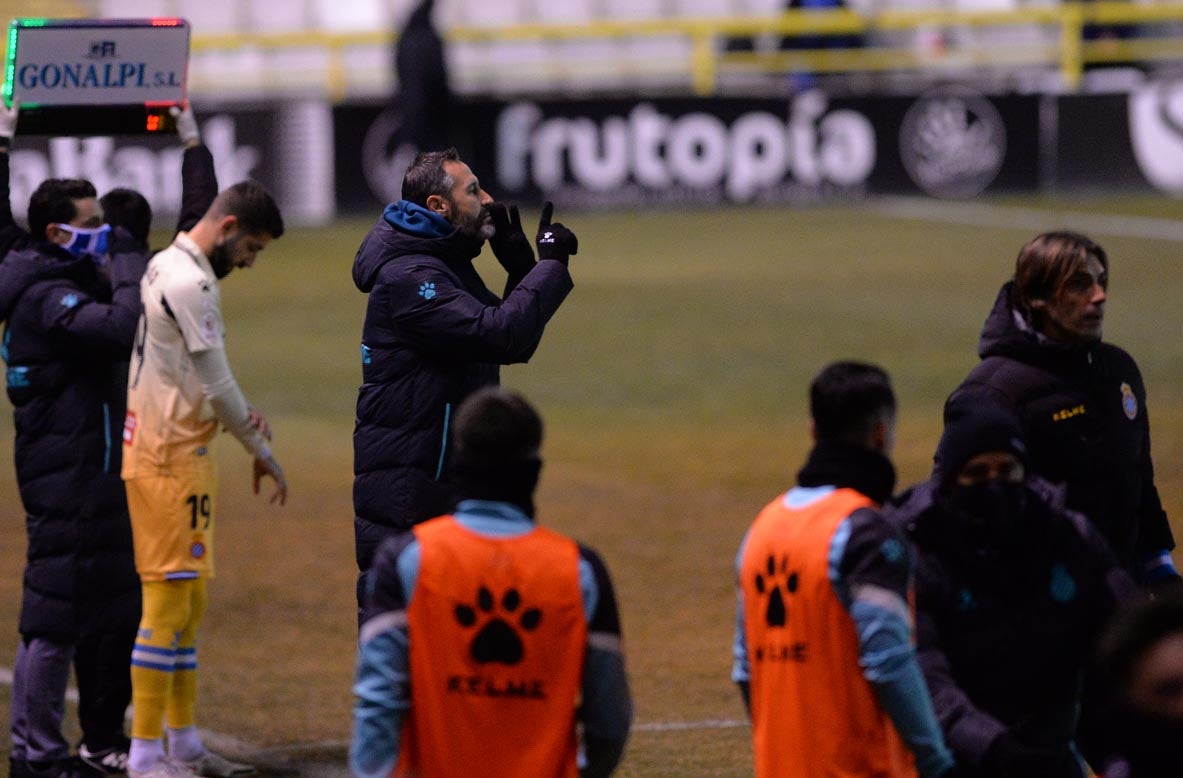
[
  {"x": 197, "y": 550},
  {"x": 1129, "y": 403}
]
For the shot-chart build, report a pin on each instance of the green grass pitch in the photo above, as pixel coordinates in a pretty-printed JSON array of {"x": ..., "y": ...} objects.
[{"x": 673, "y": 383}]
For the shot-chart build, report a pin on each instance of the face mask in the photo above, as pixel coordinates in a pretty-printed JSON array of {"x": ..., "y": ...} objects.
[
  {"x": 87, "y": 242},
  {"x": 992, "y": 508}
]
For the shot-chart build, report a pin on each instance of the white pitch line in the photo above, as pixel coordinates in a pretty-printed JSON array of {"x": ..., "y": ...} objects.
[
  {"x": 1029, "y": 219},
  {"x": 229, "y": 743},
  {"x": 677, "y": 726}
]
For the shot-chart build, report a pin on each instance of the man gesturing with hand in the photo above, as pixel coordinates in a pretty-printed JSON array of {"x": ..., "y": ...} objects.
[{"x": 434, "y": 333}]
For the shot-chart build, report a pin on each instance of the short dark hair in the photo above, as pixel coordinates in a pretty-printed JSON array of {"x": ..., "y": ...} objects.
[
  {"x": 253, "y": 206},
  {"x": 426, "y": 176},
  {"x": 1046, "y": 261},
  {"x": 847, "y": 399},
  {"x": 495, "y": 427},
  {"x": 128, "y": 209},
  {"x": 53, "y": 202},
  {"x": 1132, "y": 633}
]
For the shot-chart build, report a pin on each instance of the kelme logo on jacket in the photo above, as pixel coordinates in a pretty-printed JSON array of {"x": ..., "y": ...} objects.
[{"x": 1129, "y": 403}]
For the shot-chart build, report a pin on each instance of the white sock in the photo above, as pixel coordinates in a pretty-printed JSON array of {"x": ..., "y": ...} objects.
[
  {"x": 144, "y": 753},
  {"x": 185, "y": 744}
]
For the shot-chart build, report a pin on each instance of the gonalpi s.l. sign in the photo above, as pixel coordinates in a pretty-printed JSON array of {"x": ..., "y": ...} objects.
[{"x": 62, "y": 70}]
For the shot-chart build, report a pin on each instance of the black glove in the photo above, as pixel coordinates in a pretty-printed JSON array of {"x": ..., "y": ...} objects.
[
  {"x": 554, "y": 240},
  {"x": 1008, "y": 758},
  {"x": 509, "y": 243}
]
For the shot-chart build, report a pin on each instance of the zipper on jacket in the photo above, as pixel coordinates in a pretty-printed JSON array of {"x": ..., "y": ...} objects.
[
  {"x": 439, "y": 470},
  {"x": 107, "y": 437}
]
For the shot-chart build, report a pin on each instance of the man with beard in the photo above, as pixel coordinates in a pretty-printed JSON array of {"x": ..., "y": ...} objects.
[
  {"x": 1012, "y": 592},
  {"x": 434, "y": 333},
  {"x": 179, "y": 389}
]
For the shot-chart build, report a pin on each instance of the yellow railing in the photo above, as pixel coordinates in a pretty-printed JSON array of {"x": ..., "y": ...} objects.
[{"x": 1066, "y": 50}]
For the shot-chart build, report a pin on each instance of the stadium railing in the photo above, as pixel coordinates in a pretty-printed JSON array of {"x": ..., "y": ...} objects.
[{"x": 703, "y": 56}]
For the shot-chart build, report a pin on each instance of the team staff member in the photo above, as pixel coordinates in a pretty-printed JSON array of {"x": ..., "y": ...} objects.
[
  {"x": 99, "y": 510},
  {"x": 1080, "y": 400},
  {"x": 488, "y": 628},
  {"x": 434, "y": 333},
  {"x": 823, "y": 652},
  {"x": 179, "y": 388},
  {"x": 1012, "y": 592},
  {"x": 65, "y": 325}
]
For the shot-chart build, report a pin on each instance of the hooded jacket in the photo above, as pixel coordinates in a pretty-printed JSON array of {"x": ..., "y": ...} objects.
[
  {"x": 1004, "y": 630},
  {"x": 67, "y": 334},
  {"x": 1083, "y": 409},
  {"x": 433, "y": 334}
]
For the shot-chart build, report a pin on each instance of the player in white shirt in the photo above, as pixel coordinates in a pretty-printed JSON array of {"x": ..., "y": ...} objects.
[{"x": 180, "y": 388}]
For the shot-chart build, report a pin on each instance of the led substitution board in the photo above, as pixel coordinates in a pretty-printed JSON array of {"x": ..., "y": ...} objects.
[{"x": 96, "y": 76}]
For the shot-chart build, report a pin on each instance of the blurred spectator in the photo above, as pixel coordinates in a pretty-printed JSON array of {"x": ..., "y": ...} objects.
[
  {"x": 424, "y": 98},
  {"x": 1140, "y": 662},
  {"x": 807, "y": 80}
]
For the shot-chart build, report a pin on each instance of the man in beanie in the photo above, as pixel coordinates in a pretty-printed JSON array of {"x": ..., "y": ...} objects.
[
  {"x": 1012, "y": 590},
  {"x": 823, "y": 643},
  {"x": 489, "y": 630}
]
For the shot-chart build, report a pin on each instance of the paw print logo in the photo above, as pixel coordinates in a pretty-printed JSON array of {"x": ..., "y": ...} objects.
[
  {"x": 777, "y": 583},
  {"x": 497, "y": 640},
  {"x": 427, "y": 290}
]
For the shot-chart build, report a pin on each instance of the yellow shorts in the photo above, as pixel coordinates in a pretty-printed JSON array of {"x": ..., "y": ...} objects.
[{"x": 172, "y": 524}]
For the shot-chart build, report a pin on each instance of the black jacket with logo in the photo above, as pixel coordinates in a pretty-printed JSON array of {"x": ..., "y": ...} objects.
[
  {"x": 68, "y": 331},
  {"x": 433, "y": 334},
  {"x": 1083, "y": 409},
  {"x": 1004, "y": 633}
]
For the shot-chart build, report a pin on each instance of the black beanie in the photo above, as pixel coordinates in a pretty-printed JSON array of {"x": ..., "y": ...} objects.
[{"x": 972, "y": 428}]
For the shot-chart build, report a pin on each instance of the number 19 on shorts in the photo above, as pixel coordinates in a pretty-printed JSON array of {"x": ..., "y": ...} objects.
[{"x": 199, "y": 511}]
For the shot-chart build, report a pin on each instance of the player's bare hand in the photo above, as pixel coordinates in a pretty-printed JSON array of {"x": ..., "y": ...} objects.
[
  {"x": 269, "y": 467},
  {"x": 259, "y": 423}
]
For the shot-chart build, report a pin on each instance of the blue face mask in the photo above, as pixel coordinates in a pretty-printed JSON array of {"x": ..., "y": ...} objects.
[{"x": 87, "y": 242}]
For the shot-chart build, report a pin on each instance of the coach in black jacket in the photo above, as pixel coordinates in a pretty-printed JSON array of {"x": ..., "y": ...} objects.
[
  {"x": 434, "y": 333},
  {"x": 1081, "y": 401}
]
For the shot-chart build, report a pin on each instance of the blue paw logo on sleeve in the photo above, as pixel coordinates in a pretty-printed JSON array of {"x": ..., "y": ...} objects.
[
  {"x": 1129, "y": 403},
  {"x": 1062, "y": 585},
  {"x": 427, "y": 290},
  {"x": 69, "y": 300}
]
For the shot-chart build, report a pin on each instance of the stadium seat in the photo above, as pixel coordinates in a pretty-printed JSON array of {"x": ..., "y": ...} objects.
[
  {"x": 275, "y": 16},
  {"x": 133, "y": 9},
  {"x": 211, "y": 16},
  {"x": 646, "y": 60},
  {"x": 358, "y": 15},
  {"x": 496, "y": 66},
  {"x": 698, "y": 8}
]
